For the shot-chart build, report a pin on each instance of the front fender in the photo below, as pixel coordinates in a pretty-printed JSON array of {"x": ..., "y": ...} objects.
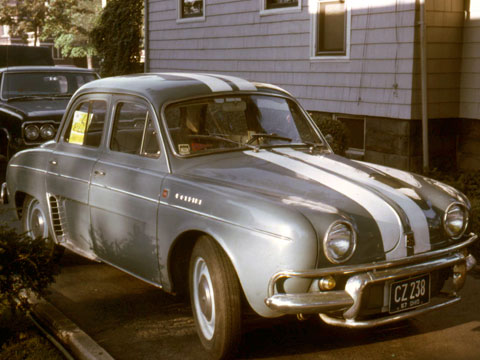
[{"x": 256, "y": 253}]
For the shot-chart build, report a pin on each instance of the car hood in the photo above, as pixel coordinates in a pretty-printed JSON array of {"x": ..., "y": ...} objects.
[
  {"x": 40, "y": 107},
  {"x": 392, "y": 202}
]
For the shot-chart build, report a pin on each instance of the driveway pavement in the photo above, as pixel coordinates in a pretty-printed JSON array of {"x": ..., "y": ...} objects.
[{"x": 133, "y": 320}]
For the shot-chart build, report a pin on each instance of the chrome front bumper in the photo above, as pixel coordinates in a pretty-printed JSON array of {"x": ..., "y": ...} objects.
[{"x": 349, "y": 300}]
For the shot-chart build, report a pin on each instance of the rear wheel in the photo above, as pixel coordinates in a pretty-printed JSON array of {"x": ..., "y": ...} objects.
[
  {"x": 215, "y": 298},
  {"x": 35, "y": 225}
]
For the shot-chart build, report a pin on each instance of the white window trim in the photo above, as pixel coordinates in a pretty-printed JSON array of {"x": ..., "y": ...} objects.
[
  {"x": 313, "y": 6},
  {"x": 189, "y": 19},
  {"x": 264, "y": 11}
]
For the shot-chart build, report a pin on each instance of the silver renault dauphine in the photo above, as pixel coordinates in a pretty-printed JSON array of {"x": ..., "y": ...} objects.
[{"x": 225, "y": 189}]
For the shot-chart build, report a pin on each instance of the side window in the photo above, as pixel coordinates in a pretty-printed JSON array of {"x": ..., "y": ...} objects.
[
  {"x": 133, "y": 131},
  {"x": 86, "y": 124}
]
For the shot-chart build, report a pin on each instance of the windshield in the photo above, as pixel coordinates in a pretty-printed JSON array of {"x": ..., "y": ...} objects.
[
  {"x": 237, "y": 122},
  {"x": 52, "y": 83}
]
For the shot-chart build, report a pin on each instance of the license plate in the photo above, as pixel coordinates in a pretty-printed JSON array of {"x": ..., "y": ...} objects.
[{"x": 409, "y": 293}]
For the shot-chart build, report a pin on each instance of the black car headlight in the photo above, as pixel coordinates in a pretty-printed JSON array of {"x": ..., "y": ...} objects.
[
  {"x": 455, "y": 220},
  {"x": 340, "y": 242},
  {"x": 31, "y": 132},
  {"x": 47, "y": 131}
]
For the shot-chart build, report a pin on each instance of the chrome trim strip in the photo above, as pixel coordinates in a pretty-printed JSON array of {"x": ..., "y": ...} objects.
[
  {"x": 9, "y": 112},
  {"x": 388, "y": 319},
  {"x": 136, "y": 169},
  {"x": 67, "y": 177},
  {"x": 4, "y": 194},
  {"x": 28, "y": 167},
  {"x": 263, "y": 232},
  {"x": 350, "y": 269},
  {"x": 76, "y": 155},
  {"x": 125, "y": 192}
]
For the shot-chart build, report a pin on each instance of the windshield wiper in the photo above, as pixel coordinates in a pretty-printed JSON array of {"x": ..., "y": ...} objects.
[{"x": 274, "y": 136}]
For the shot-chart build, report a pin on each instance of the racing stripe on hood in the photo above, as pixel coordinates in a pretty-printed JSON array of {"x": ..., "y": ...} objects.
[
  {"x": 387, "y": 219},
  {"x": 416, "y": 216}
]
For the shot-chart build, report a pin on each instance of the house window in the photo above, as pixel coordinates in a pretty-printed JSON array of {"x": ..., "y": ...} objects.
[
  {"x": 275, "y": 6},
  {"x": 356, "y": 134},
  {"x": 191, "y": 10},
  {"x": 330, "y": 30}
]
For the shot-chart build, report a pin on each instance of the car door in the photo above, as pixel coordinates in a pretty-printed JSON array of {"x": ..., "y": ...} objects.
[
  {"x": 125, "y": 191},
  {"x": 69, "y": 170}
]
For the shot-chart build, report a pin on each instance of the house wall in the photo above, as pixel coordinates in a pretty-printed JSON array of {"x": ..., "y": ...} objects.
[
  {"x": 468, "y": 156},
  {"x": 444, "y": 21},
  {"x": 235, "y": 39}
]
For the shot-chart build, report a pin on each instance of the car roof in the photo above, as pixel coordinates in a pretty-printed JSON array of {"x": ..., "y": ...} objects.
[
  {"x": 45, "y": 68},
  {"x": 160, "y": 88}
]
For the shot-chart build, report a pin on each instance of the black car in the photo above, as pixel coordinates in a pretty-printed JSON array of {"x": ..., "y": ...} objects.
[{"x": 32, "y": 102}]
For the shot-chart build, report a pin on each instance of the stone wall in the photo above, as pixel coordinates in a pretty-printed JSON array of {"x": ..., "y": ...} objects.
[{"x": 468, "y": 155}]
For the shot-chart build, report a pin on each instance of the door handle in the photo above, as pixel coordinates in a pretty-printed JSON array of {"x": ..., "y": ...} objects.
[
  {"x": 53, "y": 162},
  {"x": 99, "y": 173}
]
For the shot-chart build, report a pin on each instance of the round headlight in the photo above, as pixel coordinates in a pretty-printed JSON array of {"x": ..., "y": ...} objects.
[
  {"x": 340, "y": 242},
  {"x": 32, "y": 132},
  {"x": 455, "y": 220},
  {"x": 47, "y": 131}
]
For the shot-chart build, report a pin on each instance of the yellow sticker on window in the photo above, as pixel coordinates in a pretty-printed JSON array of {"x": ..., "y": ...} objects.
[{"x": 81, "y": 122}]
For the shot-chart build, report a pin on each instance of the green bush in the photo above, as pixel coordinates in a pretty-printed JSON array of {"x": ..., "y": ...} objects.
[
  {"x": 26, "y": 267},
  {"x": 336, "y": 129}
]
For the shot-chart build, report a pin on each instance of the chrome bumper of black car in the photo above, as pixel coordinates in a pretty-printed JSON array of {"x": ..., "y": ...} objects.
[{"x": 349, "y": 300}]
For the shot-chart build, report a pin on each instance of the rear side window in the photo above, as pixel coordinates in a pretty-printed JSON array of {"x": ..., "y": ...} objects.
[
  {"x": 86, "y": 124},
  {"x": 133, "y": 130}
]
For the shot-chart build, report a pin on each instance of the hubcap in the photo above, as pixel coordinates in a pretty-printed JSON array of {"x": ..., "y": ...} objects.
[
  {"x": 203, "y": 298},
  {"x": 36, "y": 221}
]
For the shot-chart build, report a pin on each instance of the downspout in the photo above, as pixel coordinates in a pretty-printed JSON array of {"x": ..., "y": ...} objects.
[
  {"x": 423, "y": 76},
  {"x": 146, "y": 37}
]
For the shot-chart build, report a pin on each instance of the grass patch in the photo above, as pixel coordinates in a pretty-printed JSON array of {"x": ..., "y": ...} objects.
[{"x": 21, "y": 340}]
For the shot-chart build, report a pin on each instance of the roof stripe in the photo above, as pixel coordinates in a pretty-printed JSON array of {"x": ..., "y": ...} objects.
[
  {"x": 215, "y": 84},
  {"x": 242, "y": 84}
]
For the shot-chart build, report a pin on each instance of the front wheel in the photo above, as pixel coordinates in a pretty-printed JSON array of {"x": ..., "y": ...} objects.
[
  {"x": 215, "y": 298},
  {"x": 34, "y": 222}
]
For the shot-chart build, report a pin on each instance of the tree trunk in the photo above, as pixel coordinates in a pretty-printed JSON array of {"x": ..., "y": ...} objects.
[{"x": 89, "y": 61}]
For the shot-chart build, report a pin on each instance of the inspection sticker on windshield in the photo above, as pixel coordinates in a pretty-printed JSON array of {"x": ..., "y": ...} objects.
[{"x": 410, "y": 293}]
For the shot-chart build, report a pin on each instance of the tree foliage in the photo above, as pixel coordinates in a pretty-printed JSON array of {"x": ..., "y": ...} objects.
[
  {"x": 69, "y": 23},
  {"x": 26, "y": 266},
  {"x": 23, "y": 17},
  {"x": 118, "y": 37}
]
